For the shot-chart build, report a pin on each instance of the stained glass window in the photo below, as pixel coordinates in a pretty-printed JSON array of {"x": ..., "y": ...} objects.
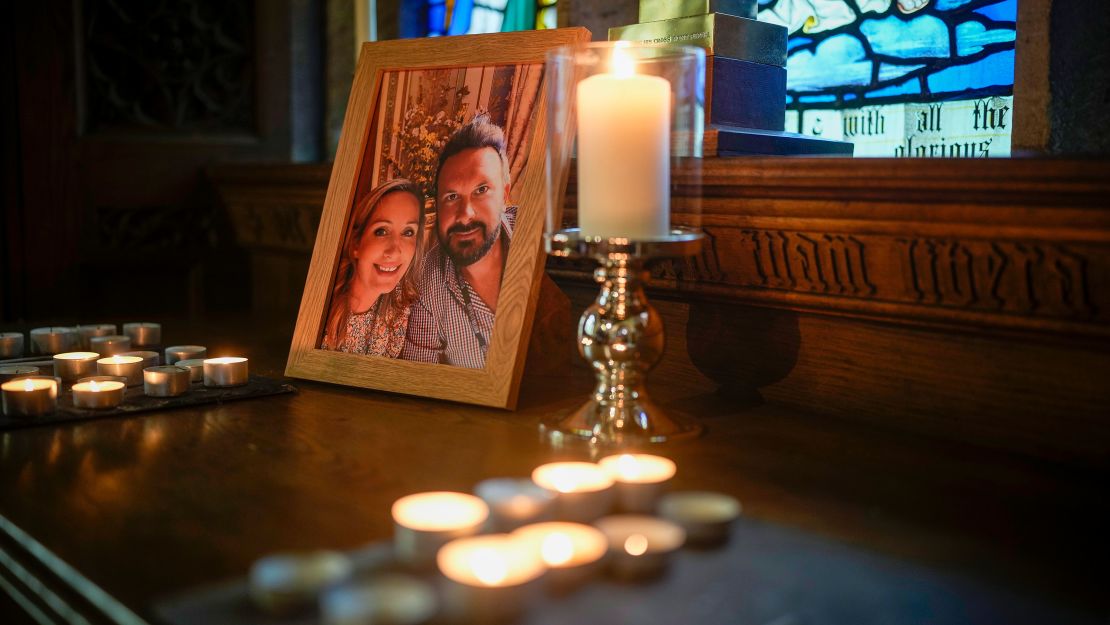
[
  {"x": 901, "y": 77},
  {"x": 458, "y": 17}
]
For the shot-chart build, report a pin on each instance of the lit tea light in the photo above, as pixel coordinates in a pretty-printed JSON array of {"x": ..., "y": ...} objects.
[
  {"x": 11, "y": 344},
  {"x": 166, "y": 381},
  {"x": 640, "y": 546},
  {"x": 71, "y": 366},
  {"x": 392, "y": 598},
  {"x": 225, "y": 371},
  {"x": 143, "y": 334},
  {"x": 130, "y": 367},
  {"x": 12, "y": 372},
  {"x": 195, "y": 367},
  {"x": 515, "y": 502},
  {"x": 424, "y": 522},
  {"x": 150, "y": 359},
  {"x": 110, "y": 344},
  {"x": 33, "y": 396},
  {"x": 86, "y": 332},
  {"x": 98, "y": 395},
  {"x": 641, "y": 479},
  {"x": 185, "y": 352},
  {"x": 572, "y": 552},
  {"x": 491, "y": 577},
  {"x": 584, "y": 490},
  {"x": 706, "y": 517},
  {"x": 54, "y": 339},
  {"x": 284, "y": 582}
]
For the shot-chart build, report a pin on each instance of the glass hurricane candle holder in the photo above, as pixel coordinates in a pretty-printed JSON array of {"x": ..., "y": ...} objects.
[{"x": 625, "y": 124}]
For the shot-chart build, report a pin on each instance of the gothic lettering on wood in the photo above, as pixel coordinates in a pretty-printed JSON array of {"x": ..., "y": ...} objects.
[
  {"x": 705, "y": 267},
  {"x": 811, "y": 262}
]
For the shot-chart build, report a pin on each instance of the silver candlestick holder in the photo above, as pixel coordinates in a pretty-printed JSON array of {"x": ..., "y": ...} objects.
[{"x": 621, "y": 335}]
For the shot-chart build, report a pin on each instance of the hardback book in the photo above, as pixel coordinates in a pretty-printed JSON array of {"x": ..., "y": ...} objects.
[
  {"x": 726, "y": 140},
  {"x": 742, "y": 93},
  {"x": 720, "y": 34},
  {"x": 655, "y": 10}
]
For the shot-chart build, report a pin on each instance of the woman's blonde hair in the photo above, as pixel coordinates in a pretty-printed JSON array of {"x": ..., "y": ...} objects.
[{"x": 406, "y": 291}]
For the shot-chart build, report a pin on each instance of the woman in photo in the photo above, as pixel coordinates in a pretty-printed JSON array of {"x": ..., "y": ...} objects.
[{"x": 375, "y": 284}]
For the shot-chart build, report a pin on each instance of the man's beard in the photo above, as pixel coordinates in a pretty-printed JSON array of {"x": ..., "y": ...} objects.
[{"x": 468, "y": 253}]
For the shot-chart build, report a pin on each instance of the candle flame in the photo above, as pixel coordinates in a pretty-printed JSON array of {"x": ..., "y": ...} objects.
[
  {"x": 628, "y": 467},
  {"x": 489, "y": 566},
  {"x": 28, "y": 385},
  {"x": 623, "y": 65},
  {"x": 636, "y": 545},
  {"x": 557, "y": 549},
  {"x": 93, "y": 386}
]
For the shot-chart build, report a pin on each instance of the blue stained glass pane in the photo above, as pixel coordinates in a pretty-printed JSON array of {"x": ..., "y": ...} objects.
[
  {"x": 460, "y": 17},
  {"x": 1005, "y": 11},
  {"x": 972, "y": 36},
  {"x": 910, "y": 87},
  {"x": 436, "y": 13},
  {"x": 948, "y": 5},
  {"x": 894, "y": 72},
  {"x": 797, "y": 42},
  {"x": 840, "y": 60},
  {"x": 848, "y": 97},
  {"x": 807, "y": 99},
  {"x": 925, "y": 36},
  {"x": 994, "y": 71}
]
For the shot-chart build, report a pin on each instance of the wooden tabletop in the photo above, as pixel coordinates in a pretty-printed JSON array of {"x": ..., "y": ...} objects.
[{"x": 150, "y": 506}]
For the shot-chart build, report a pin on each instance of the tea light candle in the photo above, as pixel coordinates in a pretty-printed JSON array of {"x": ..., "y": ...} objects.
[
  {"x": 73, "y": 365},
  {"x": 104, "y": 378},
  {"x": 641, "y": 479},
  {"x": 282, "y": 582},
  {"x": 54, "y": 340},
  {"x": 166, "y": 381},
  {"x": 195, "y": 367},
  {"x": 11, "y": 344},
  {"x": 31, "y": 396},
  {"x": 624, "y": 124},
  {"x": 98, "y": 395},
  {"x": 110, "y": 344},
  {"x": 515, "y": 502},
  {"x": 150, "y": 359},
  {"x": 87, "y": 331},
  {"x": 185, "y": 352},
  {"x": 392, "y": 598},
  {"x": 640, "y": 546},
  {"x": 130, "y": 367},
  {"x": 424, "y": 522},
  {"x": 490, "y": 578},
  {"x": 225, "y": 371},
  {"x": 143, "y": 334},
  {"x": 11, "y": 372},
  {"x": 706, "y": 517},
  {"x": 584, "y": 490},
  {"x": 572, "y": 552}
]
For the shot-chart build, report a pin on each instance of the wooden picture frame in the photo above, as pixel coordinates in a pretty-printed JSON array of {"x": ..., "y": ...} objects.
[{"x": 362, "y": 156}]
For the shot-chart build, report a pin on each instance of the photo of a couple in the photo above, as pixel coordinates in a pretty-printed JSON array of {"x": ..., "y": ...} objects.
[{"x": 420, "y": 269}]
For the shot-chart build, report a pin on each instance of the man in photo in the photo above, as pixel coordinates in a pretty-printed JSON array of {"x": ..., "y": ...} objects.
[{"x": 452, "y": 321}]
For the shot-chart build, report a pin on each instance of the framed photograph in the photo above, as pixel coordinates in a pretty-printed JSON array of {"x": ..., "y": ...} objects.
[{"x": 425, "y": 273}]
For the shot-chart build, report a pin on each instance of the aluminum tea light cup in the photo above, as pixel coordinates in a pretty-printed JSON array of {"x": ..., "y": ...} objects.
[
  {"x": 33, "y": 396},
  {"x": 572, "y": 552},
  {"x": 11, "y": 344},
  {"x": 71, "y": 366},
  {"x": 391, "y": 598},
  {"x": 166, "y": 381},
  {"x": 640, "y": 480},
  {"x": 284, "y": 582},
  {"x": 640, "y": 546},
  {"x": 514, "y": 502},
  {"x": 95, "y": 395},
  {"x": 110, "y": 344},
  {"x": 195, "y": 367},
  {"x": 130, "y": 367},
  {"x": 150, "y": 359},
  {"x": 226, "y": 371},
  {"x": 490, "y": 578},
  {"x": 185, "y": 352},
  {"x": 86, "y": 332},
  {"x": 707, "y": 517},
  {"x": 584, "y": 491},
  {"x": 424, "y": 522},
  {"x": 14, "y": 372},
  {"x": 143, "y": 334},
  {"x": 54, "y": 339}
]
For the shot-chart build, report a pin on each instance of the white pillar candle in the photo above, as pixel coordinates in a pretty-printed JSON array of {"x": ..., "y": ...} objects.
[
  {"x": 11, "y": 344},
  {"x": 143, "y": 334},
  {"x": 110, "y": 344},
  {"x": 707, "y": 517},
  {"x": 54, "y": 340},
  {"x": 424, "y": 522},
  {"x": 98, "y": 395},
  {"x": 515, "y": 502},
  {"x": 490, "y": 577},
  {"x": 584, "y": 491},
  {"x": 571, "y": 551},
  {"x": 85, "y": 333},
  {"x": 30, "y": 397},
  {"x": 166, "y": 381},
  {"x": 225, "y": 371},
  {"x": 185, "y": 352},
  {"x": 624, "y": 122},
  {"x": 70, "y": 366},
  {"x": 283, "y": 582},
  {"x": 640, "y": 546},
  {"x": 641, "y": 479},
  {"x": 130, "y": 367}
]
